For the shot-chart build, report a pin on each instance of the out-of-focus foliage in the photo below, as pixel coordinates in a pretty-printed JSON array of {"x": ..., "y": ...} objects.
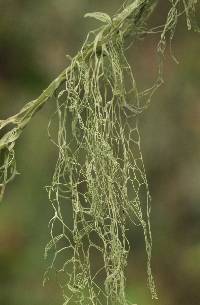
[{"x": 34, "y": 38}]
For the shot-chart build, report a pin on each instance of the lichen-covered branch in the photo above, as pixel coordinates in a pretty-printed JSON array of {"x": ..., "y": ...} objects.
[
  {"x": 18, "y": 122},
  {"x": 100, "y": 168}
]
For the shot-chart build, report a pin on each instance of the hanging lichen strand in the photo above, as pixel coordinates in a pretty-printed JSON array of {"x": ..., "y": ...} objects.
[{"x": 100, "y": 171}]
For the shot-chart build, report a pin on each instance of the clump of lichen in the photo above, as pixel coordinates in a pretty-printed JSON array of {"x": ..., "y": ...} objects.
[
  {"x": 100, "y": 171},
  {"x": 100, "y": 168}
]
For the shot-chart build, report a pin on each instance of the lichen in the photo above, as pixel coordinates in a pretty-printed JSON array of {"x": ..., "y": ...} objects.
[{"x": 100, "y": 170}]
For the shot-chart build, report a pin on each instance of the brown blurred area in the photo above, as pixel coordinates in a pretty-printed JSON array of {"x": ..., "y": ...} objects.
[{"x": 35, "y": 36}]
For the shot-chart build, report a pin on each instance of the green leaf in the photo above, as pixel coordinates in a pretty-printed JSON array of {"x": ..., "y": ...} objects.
[{"x": 99, "y": 16}]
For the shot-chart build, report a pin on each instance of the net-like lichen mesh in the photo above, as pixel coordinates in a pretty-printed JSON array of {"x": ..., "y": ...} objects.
[
  {"x": 100, "y": 168},
  {"x": 100, "y": 171}
]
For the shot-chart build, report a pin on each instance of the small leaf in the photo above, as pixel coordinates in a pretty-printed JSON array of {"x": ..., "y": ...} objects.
[{"x": 99, "y": 16}]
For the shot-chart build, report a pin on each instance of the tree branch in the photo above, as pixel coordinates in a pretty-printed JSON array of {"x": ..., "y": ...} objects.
[
  {"x": 22, "y": 118},
  {"x": 125, "y": 23}
]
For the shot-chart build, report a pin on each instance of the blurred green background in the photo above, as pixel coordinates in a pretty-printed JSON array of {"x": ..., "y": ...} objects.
[{"x": 35, "y": 36}]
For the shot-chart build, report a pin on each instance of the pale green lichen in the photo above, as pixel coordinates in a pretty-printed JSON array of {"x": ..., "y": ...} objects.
[{"x": 100, "y": 170}]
